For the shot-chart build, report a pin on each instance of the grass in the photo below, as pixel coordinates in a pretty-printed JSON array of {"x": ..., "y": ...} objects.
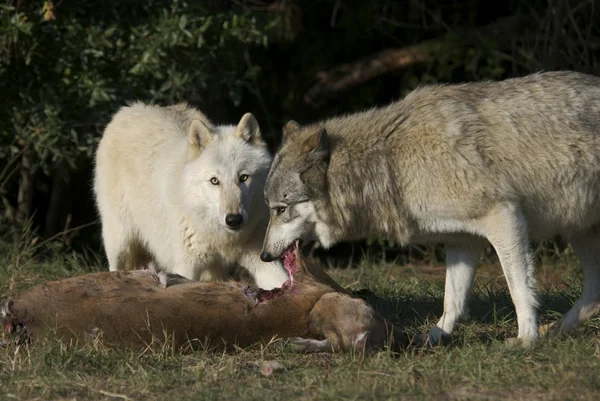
[{"x": 476, "y": 365}]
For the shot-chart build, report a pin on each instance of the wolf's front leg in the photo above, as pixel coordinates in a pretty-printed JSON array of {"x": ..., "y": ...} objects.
[
  {"x": 506, "y": 229},
  {"x": 188, "y": 268},
  {"x": 197, "y": 266},
  {"x": 461, "y": 262},
  {"x": 267, "y": 275}
]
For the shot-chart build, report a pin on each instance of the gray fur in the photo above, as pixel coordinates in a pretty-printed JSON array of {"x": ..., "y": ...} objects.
[{"x": 505, "y": 162}]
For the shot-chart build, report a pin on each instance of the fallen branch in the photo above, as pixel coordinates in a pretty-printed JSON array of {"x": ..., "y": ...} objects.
[
  {"x": 352, "y": 74},
  {"x": 348, "y": 75}
]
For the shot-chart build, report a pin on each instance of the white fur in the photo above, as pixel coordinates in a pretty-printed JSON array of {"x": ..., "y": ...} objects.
[
  {"x": 461, "y": 263},
  {"x": 310, "y": 345},
  {"x": 506, "y": 229},
  {"x": 585, "y": 246},
  {"x": 153, "y": 186}
]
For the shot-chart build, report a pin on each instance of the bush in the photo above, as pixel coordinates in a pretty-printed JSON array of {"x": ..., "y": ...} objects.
[{"x": 67, "y": 68}]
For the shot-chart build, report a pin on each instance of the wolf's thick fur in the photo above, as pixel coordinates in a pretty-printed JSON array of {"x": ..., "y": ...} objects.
[
  {"x": 155, "y": 197},
  {"x": 507, "y": 162}
]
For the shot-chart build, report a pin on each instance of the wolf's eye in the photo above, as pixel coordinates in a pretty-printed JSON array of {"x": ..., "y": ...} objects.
[
  {"x": 279, "y": 210},
  {"x": 243, "y": 177},
  {"x": 214, "y": 181}
]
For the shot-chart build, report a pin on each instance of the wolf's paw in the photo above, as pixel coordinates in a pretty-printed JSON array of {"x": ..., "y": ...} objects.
[
  {"x": 554, "y": 329},
  {"x": 436, "y": 337}
]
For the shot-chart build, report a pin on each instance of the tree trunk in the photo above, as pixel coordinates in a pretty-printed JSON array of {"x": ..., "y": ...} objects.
[
  {"x": 558, "y": 9},
  {"x": 26, "y": 188},
  {"x": 56, "y": 202}
]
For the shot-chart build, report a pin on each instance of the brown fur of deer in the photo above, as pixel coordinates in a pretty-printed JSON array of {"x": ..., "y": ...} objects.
[{"x": 137, "y": 307}]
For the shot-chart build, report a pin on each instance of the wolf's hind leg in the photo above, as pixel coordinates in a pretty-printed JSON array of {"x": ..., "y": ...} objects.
[
  {"x": 586, "y": 246},
  {"x": 461, "y": 262}
]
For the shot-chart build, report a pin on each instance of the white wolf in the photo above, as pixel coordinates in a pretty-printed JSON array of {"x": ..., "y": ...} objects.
[
  {"x": 500, "y": 162},
  {"x": 171, "y": 185}
]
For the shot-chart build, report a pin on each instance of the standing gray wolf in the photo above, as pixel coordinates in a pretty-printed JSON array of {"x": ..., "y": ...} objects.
[
  {"x": 172, "y": 187},
  {"x": 500, "y": 163},
  {"x": 311, "y": 309}
]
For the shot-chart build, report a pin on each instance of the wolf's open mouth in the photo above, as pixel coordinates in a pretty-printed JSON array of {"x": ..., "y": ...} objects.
[{"x": 288, "y": 257}]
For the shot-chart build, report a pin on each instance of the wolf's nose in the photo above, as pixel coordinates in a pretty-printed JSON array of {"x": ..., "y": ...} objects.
[
  {"x": 234, "y": 220},
  {"x": 265, "y": 257}
]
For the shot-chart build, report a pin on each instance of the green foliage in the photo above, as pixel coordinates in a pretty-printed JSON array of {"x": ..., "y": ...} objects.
[{"x": 68, "y": 66}]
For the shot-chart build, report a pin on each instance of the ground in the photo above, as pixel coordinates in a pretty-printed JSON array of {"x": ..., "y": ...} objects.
[{"x": 476, "y": 365}]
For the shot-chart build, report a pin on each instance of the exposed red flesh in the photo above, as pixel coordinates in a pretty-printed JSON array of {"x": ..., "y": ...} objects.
[
  {"x": 13, "y": 326},
  {"x": 289, "y": 263}
]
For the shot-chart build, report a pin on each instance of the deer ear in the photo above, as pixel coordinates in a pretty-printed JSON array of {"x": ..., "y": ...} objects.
[
  {"x": 288, "y": 129},
  {"x": 248, "y": 129},
  {"x": 316, "y": 146},
  {"x": 199, "y": 135}
]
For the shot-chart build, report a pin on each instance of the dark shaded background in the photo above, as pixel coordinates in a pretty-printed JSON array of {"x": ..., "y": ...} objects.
[{"x": 67, "y": 66}]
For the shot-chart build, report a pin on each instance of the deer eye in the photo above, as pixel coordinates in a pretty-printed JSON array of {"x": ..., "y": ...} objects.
[{"x": 214, "y": 181}]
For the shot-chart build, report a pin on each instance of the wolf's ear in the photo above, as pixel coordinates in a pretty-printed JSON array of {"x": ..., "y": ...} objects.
[
  {"x": 248, "y": 129},
  {"x": 199, "y": 135},
  {"x": 316, "y": 150},
  {"x": 316, "y": 146},
  {"x": 288, "y": 129}
]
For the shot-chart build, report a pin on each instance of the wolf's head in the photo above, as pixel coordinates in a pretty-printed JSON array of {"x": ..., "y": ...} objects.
[
  {"x": 295, "y": 187},
  {"x": 225, "y": 172}
]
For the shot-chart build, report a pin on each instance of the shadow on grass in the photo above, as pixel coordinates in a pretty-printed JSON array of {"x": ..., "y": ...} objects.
[{"x": 492, "y": 316}]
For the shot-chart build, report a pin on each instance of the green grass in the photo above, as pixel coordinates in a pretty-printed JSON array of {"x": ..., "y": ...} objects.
[{"x": 476, "y": 365}]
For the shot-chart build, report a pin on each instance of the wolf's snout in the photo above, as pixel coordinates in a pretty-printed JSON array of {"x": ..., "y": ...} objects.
[
  {"x": 266, "y": 257},
  {"x": 234, "y": 221}
]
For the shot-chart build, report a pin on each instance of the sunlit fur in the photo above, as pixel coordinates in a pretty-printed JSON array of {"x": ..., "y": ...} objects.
[
  {"x": 487, "y": 162},
  {"x": 153, "y": 189}
]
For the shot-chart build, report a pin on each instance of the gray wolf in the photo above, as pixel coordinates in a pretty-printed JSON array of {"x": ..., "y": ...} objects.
[
  {"x": 311, "y": 312},
  {"x": 171, "y": 186},
  {"x": 501, "y": 163}
]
